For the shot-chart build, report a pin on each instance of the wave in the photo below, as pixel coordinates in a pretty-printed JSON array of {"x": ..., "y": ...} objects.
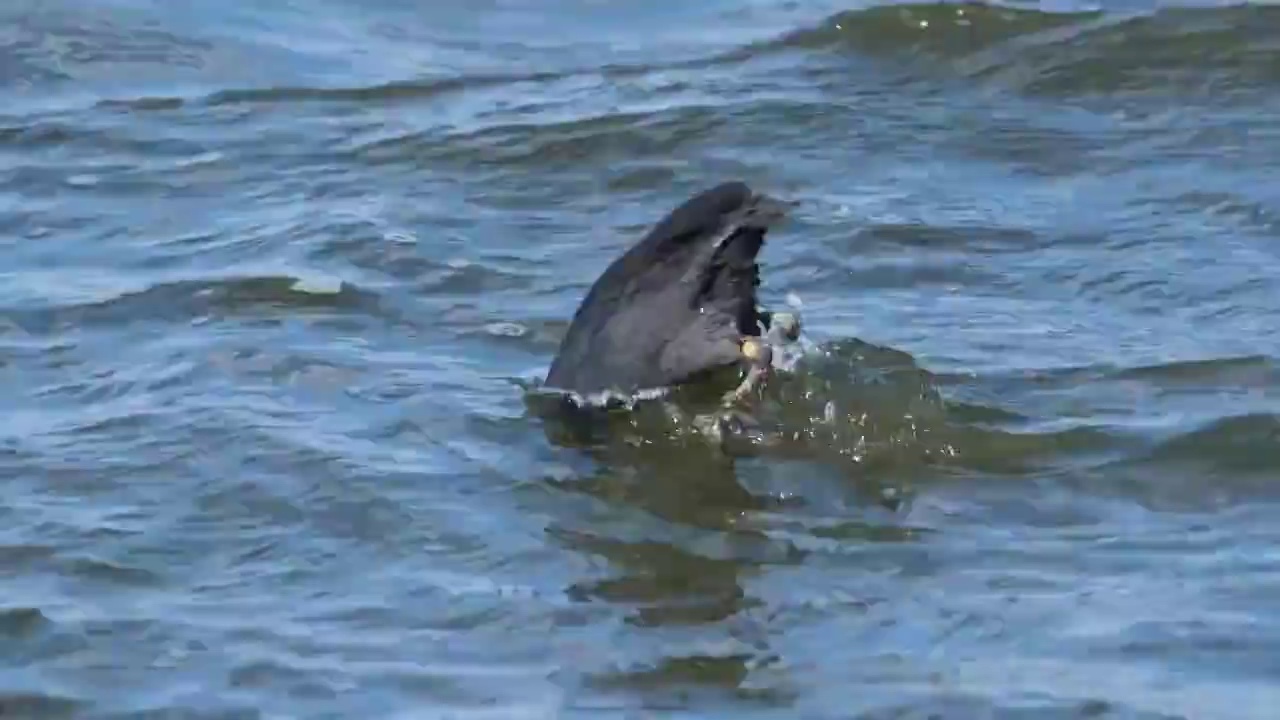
[
  {"x": 1062, "y": 53},
  {"x": 1019, "y": 48},
  {"x": 100, "y": 304},
  {"x": 875, "y": 416},
  {"x": 417, "y": 89}
]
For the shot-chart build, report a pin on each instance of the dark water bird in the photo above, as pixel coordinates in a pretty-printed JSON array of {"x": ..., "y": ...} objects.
[{"x": 679, "y": 303}]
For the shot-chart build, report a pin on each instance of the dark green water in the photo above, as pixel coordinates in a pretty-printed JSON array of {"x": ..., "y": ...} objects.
[{"x": 274, "y": 279}]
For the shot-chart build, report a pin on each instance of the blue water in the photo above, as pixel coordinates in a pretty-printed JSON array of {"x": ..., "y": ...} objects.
[{"x": 278, "y": 279}]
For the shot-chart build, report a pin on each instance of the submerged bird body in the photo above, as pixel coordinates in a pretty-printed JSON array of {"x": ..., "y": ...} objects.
[{"x": 679, "y": 302}]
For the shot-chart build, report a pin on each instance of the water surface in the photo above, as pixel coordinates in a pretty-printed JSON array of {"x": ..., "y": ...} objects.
[{"x": 277, "y": 277}]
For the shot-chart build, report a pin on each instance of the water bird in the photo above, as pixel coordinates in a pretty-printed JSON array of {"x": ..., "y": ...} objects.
[{"x": 679, "y": 303}]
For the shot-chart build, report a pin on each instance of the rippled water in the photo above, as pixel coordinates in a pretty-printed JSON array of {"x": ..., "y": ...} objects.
[{"x": 278, "y": 279}]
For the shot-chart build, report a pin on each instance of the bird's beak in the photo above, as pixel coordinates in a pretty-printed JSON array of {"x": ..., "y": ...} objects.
[
  {"x": 755, "y": 351},
  {"x": 759, "y": 360}
]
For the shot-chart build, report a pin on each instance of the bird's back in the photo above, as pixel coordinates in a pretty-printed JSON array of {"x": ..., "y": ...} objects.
[{"x": 648, "y": 296}]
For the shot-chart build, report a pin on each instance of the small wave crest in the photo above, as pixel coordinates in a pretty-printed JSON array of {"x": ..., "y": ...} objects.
[
  {"x": 88, "y": 305},
  {"x": 1080, "y": 51}
]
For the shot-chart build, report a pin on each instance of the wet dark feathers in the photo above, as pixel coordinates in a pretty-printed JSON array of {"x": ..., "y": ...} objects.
[{"x": 673, "y": 286}]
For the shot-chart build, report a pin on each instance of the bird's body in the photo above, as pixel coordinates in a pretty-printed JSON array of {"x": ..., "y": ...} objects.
[{"x": 679, "y": 302}]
